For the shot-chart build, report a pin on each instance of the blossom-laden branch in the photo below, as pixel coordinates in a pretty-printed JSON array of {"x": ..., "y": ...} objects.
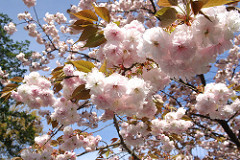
[{"x": 122, "y": 140}]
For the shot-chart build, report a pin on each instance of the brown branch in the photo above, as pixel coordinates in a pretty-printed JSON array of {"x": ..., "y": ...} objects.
[
  {"x": 188, "y": 85},
  {"x": 154, "y": 7},
  {"x": 135, "y": 157},
  {"x": 202, "y": 78},
  {"x": 229, "y": 132}
]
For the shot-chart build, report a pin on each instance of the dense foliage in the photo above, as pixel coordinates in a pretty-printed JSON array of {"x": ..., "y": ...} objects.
[{"x": 17, "y": 127}]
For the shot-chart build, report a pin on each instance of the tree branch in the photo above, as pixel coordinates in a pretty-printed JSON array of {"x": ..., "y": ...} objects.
[
  {"x": 154, "y": 7},
  {"x": 229, "y": 132},
  {"x": 122, "y": 140},
  {"x": 201, "y": 76}
]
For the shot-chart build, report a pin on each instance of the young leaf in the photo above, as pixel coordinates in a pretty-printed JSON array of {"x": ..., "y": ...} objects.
[
  {"x": 81, "y": 24},
  {"x": 107, "y": 153},
  {"x": 196, "y": 6},
  {"x": 54, "y": 124},
  {"x": 81, "y": 93},
  {"x": 16, "y": 79},
  {"x": 54, "y": 143},
  {"x": 103, "y": 13},
  {"x": 84, "y": 66},
  {"x": 87, "y": 15},
  {"x": 103, "y": 68},
  {"x": 88, "y": 31},
  {"x": 167, "y": 3},
  {"x": 58, "y": 72},
  {"x": 17, "y": 158},
  {"x": 114, "y": 140},
  {"x": 10, "y": 87},
  {"x": 6, "y": 96},
  {"x": 57, "y": 87},
  {"x": 95, "y": 40},
  {"x": 167, "y": 16}
]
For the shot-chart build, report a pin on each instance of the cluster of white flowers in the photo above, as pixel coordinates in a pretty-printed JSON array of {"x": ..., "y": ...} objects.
[
  {"x": 171, "y": 123},
  {"x": 73, "y": 141},
  {"x": 116, "y": 92},
  {"x": 10, "y": 28},
  {"x": 123, "y": 44},
  {"x": 189, "y": 49},
  {"x": 29, "y": 3},
  {"x": 24, "y": 16},
  {"x": 134, "y": 134},
  {"x": 35, "y": 92},
  {"x": 214, "y": 101}
]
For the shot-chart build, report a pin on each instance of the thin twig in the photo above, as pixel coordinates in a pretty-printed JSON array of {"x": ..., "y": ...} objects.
[
  {"x": 180, "y": 105},
  {"x": 59, "y": 128},
  {"x": 99, "y": 148},
  {"x": 102, "y": 128}
]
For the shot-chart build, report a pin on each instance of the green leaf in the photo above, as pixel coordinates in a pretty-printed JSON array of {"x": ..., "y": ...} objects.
[
  {"x": 103, "y": 13},
  {"x": 88, "y": 32},
  {"x": 87, "y": 15},
  {"x": 84, "y": 66},
  {"x": 95, "y": 40},
  {"x": 167, "y": 16},
  {"x": 16, "y": 79},
  {"x": 167, "y": 3},
  {"x": 80, "y": 93}
]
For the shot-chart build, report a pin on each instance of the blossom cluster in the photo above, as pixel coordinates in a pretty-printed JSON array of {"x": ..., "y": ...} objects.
[
  {"x": 29, "y": 3},
  {"x": 215, "y": 101},
  {"x": 172, "y": 123},
  {"x": 35, "y": 92},
  {"x": 123, "y": 44},
  {"x": 134, "y": 134},
  {"x": 10, "y": 28},
  {"x": 187, "y": 51},
  {"x": 116, "y": 92},
  {"x": 73, "y": 141}
]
